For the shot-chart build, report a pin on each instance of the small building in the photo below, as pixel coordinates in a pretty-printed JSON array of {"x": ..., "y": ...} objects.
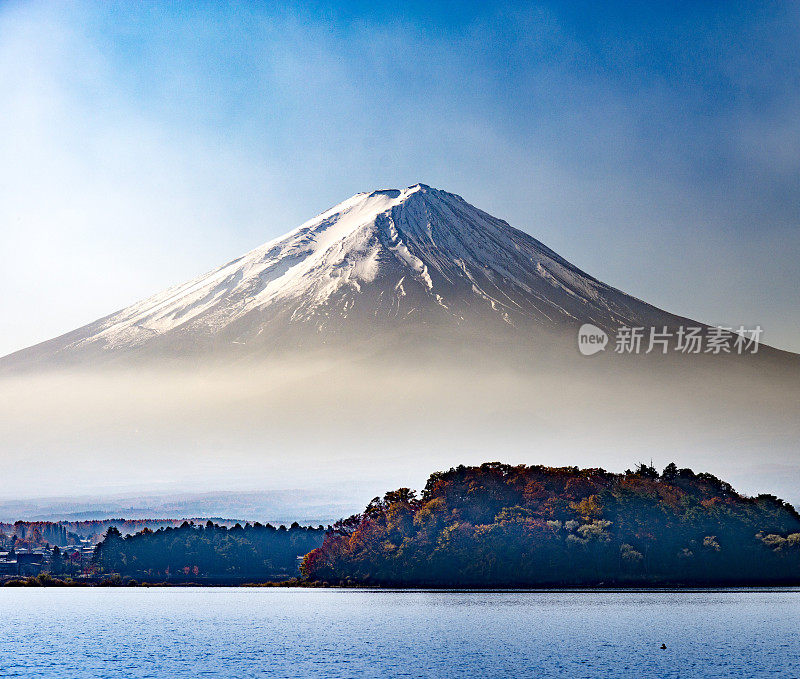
[
  {"x": 30, "y": 563},
  {"x": 8, "y": 565}
]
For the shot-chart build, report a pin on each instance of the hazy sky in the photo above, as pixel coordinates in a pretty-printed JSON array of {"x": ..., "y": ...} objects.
[{"x": 144, "y": 143}]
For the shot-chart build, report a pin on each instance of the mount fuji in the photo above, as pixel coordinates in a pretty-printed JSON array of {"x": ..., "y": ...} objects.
[{"x": 418, "y": 262}]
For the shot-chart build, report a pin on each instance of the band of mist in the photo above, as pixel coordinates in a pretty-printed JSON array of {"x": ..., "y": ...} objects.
[{"x": 347, "y": 428}]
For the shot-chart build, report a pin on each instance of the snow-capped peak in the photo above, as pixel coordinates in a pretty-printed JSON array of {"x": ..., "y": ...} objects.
[{"x": 376, "y": 260}]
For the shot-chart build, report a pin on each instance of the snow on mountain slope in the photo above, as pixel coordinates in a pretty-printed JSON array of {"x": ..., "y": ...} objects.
[{"x": 377, "y": 260}]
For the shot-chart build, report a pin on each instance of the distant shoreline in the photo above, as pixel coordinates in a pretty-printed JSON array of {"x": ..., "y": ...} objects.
[{"x": 292, "y": 583}]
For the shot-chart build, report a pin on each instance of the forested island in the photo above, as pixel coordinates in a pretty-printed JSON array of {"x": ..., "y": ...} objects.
[{"x": 532, "y": 526}]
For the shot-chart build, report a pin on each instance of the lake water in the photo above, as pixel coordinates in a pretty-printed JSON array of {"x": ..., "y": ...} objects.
[{"x": 242, "y": 632}]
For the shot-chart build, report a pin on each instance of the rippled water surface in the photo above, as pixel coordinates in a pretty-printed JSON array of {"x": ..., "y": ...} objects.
[{"x": 184, "y": 632}]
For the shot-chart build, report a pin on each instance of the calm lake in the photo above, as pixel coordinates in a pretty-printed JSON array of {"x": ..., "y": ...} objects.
[{"x": 239, "y": 632}]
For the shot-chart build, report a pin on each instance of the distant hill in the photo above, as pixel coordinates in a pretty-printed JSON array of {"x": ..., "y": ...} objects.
[
  {"x": 92, "y": 515},
  {"x": 503, "y": 526}
]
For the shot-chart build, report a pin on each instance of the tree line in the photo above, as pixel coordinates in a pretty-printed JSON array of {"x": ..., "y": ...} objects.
[
  {"x": 195, "y": 552},
  {"x": 36, "y": 534},
  {"x": 63, "y": 533}
]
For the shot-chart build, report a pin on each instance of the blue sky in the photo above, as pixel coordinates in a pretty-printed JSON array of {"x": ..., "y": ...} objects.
[{"x": 654, "y": 145}]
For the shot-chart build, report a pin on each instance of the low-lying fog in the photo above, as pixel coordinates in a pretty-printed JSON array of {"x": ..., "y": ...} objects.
[{"x": 356, "y": 430}]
